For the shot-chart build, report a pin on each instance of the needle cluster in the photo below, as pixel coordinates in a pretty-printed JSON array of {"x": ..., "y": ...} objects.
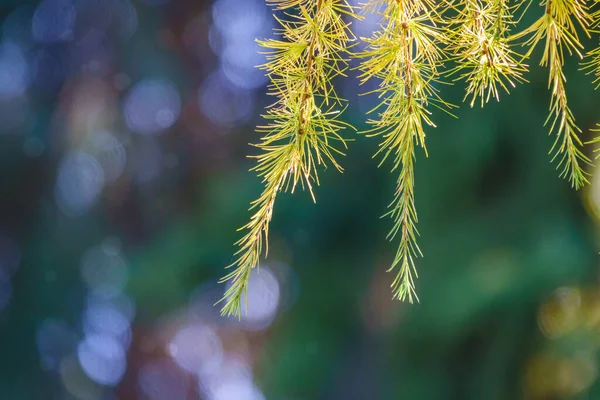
[{"x": 481, "y": 48}]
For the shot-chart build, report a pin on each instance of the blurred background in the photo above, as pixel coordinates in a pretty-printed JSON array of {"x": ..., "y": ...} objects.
[{"x": 124, "y": 130}]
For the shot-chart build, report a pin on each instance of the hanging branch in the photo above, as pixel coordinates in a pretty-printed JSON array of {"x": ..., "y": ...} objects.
[
  {"x": 557, "y": 28},
  {"x": 405, "y": 56},
  {"x": 302, "y": 125},
  {"x": 592, "y": 65}
]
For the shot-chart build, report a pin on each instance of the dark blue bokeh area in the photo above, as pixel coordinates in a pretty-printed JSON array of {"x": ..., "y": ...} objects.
[{"x": 124, "y": 131}]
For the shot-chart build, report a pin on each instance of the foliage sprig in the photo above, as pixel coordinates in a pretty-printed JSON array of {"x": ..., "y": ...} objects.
[
  {"x": 592, "y": 63},
  {"x": 303, "y": 125},
  {"x": 557, "y": 29},
  {"x": 404, "y": 55}
]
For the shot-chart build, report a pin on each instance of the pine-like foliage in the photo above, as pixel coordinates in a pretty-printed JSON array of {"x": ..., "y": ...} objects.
[
  {"x": 557, "y": 29},
  {"x": 592, "y": 61},
  {"x": 404, "y": 55},
  {"x": 479, "y": 41},
  {"x": 418, "y": 47},
  {"x": 303, "y": 126}
]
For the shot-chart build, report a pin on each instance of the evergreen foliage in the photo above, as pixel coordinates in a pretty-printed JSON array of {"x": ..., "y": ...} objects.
[
  {"x": 420, "y": 45},
  {"x": 303, "y": 126}
]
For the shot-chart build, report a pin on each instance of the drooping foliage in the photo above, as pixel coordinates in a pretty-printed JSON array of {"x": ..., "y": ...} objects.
[{"x": 418, "y": 47}]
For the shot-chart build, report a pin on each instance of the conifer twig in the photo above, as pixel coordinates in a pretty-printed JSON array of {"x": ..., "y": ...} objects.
[
  {"x": 557, "y": 29},
  {"x": 592, "y": 66},
  {"x": 405, "y": 56},
  {"x": 303, "y": 123}
]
